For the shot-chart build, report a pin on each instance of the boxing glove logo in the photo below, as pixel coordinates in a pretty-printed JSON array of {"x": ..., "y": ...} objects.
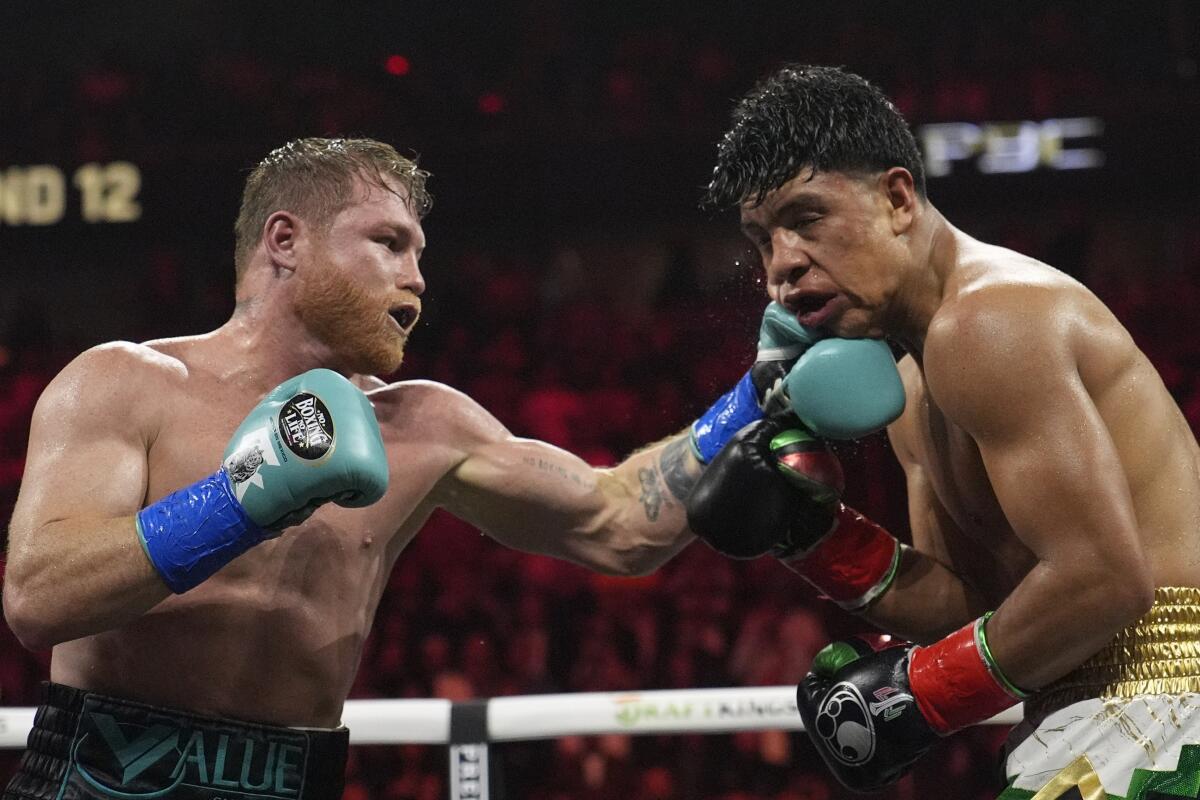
[
  {"x": 245, "y": 464},
  {"x": 845, "y": 726},
  {"x": 242, "y": 465},
  {"x": 306, "y": 426}
]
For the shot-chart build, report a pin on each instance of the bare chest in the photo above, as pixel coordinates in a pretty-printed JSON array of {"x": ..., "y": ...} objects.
[
  {"x": 955, "y": 471},
  {"x": 191, "y": 442}
]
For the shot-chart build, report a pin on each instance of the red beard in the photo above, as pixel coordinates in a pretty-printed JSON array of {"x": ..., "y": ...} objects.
[{"x": 351, "y": 321}]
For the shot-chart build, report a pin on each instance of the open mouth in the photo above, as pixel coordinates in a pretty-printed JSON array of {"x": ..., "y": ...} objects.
[
  {"x": 405, "y": 316},
  {"x": 810, "y": 303},
  {"x": 813, "y": 310}
]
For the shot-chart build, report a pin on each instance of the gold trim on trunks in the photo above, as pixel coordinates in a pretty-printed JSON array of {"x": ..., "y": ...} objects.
[
  {"x": 1079, "y": 774},
  {"x": 1158, "y": 654}
]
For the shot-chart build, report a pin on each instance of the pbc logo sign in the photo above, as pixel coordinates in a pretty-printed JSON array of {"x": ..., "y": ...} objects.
[
  {"x": 846, "y": 721},
  {"x": 1006, "y": 147}
]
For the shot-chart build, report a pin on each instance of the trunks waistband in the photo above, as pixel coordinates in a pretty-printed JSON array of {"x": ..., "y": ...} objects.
[
  {"x": 89, "y": 745},
  {"x": 1158, "y": 654}
]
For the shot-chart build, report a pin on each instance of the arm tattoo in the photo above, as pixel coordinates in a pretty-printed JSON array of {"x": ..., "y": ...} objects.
[
  {"x": 651, "y": 498},
  {"x": 543, "y": 465},
  {"x": 674, "y": 463}
]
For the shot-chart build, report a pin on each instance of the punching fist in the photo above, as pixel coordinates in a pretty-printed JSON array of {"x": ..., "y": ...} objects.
[
  {"x": 781, "y": 340},
  {"x": 837, "y": 388},
  {"x": 312, "y": 440},
  {"x": 845, "y": 388},
  {"x": 773, "y": 489}
]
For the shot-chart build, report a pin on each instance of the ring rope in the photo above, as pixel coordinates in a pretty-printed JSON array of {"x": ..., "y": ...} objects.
[{"x": 547, "y": 716}]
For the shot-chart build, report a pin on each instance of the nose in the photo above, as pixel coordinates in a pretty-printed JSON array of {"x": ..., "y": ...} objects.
[
  {"x": 788, "y": 261},
  {"x": 410, "y": 277}
]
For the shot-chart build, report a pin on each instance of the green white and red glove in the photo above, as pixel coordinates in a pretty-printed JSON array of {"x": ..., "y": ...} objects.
[{"x": 872, "y": 714}]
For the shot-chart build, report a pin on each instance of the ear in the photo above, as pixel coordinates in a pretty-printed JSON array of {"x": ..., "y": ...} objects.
[
  {"x": 901, "y": 192},
  {"x": 280, "y": 235}
]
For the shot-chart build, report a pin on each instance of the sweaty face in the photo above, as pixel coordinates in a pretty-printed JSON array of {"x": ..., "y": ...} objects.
[
  {"x": 828, "y": 251},
  {"x": 358, "y": 292}
]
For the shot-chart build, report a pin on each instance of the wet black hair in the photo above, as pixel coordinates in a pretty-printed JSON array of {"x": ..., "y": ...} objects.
[{"x": 803, "y": 116}]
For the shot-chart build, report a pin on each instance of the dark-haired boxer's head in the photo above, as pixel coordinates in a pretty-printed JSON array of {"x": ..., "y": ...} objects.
[
  {"x": 810, "y": 120},
  {"x": 828, "y": 179}
]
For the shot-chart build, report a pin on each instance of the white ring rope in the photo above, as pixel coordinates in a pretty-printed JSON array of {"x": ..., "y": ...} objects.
[{"x": 548, "y": 716}]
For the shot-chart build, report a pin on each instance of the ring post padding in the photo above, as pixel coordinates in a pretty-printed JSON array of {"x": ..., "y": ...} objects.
[{"x": 469, "y": 758}]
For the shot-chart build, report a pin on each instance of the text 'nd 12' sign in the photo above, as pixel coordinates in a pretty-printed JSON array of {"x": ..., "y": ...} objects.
[{"x": 38, "y": 194}]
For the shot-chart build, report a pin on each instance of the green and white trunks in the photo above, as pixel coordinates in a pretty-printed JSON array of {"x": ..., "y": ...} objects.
[{"x": 1125, "y": 725}]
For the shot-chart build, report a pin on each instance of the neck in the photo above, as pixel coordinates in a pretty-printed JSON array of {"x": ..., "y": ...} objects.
[
  {"x": 934, "y": 247},
  {"x": 264, "y": 343}
]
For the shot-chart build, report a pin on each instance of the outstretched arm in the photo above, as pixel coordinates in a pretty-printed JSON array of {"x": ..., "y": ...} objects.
[
  {"x": 535, "y": 497},
  {"x": 628, "y": 519}
]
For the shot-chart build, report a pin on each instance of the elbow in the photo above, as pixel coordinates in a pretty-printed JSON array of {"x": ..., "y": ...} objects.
[
  {"x": 635, "y": 559},
  {"x": 1137, "y": 598},
  {"x": 32, "y": 626},
  {"x": 1128, "y": 592}
]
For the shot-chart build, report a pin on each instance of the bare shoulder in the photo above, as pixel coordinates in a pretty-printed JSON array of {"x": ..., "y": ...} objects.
[
  {"x": 1009, "y": 328},
  {"x": 109, "y": 383},
  {"x": 428, "y": 409},
  {"x": 1002, "y": 303},
  {"x": 115, "y": 371}
]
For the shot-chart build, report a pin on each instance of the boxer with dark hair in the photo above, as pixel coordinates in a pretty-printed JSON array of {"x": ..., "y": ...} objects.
[{"x": 1053, "y": 484}]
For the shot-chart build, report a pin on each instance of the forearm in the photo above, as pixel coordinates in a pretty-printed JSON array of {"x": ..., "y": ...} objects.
[
  {"x": 534, "y": 497},
  {"x": 95, "y": 577},
  {"x": 644, "y": 498},
  {"x": 925, "y": 602},
  {"x": 1087, "y": 602}
]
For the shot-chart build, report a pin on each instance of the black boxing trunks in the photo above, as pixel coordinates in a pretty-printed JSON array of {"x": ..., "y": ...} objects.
[{"x": 88, "y": 746}]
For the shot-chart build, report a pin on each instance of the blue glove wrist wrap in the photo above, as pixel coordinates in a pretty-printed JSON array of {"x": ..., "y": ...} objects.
[
  {"x": 733, "y": 411},
  {"x": 190, "y": 534}
]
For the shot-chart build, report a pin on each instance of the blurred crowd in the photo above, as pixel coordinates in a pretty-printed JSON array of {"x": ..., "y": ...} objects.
[
  {"x": 464, "y": 618},
  {"x": 548, "y": 70},
  {"x": 598, "y": 344}
]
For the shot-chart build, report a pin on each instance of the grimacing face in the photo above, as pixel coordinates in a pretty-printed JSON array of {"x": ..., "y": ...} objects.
[
  {"x": 828, "y": 250},
  {"x": 360, "y": 286}
]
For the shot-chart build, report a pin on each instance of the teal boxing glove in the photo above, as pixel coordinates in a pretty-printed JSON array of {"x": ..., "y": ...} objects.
[
  {"x": 760, "y": 392},
  {"x": 845, "y": 388},
  {"x": 312, "y": 440},
  {"x": 290, "y": 456}
]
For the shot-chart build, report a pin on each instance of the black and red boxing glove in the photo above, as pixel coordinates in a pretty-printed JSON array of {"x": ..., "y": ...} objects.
[
  {"x": 744, "y": 504},
  {"x": 775, "y": 488},
  {"x": 872, "y": 714}
]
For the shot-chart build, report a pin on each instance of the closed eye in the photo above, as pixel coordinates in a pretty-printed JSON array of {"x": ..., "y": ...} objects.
[{"x": 759, "y": 239}]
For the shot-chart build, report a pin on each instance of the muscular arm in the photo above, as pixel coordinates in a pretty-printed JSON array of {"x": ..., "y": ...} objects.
[
  {"x": 535, "y": 497},
  {"x": 75, "y": 562},
  {"x": 1011, "y": 380}
]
